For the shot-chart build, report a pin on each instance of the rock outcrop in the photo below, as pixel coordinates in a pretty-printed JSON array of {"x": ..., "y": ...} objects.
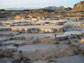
[
  {"x": 79, "y": 6},
  {"x": 55, "y": 8}
]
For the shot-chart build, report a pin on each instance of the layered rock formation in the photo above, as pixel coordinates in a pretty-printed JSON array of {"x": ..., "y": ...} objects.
[{"x": 79, "y": 6}]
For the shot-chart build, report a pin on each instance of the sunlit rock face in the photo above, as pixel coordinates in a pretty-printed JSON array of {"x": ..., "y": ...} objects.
[{"x": 79, "y": 6}]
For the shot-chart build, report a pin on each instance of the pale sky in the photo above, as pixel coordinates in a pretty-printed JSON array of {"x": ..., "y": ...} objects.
[{"x": 36, "y": 3}]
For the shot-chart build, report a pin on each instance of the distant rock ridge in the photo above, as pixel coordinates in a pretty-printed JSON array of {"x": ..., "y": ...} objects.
[
  {"x": 55, "y": 8},
  {"x": 79, "y": 6}
]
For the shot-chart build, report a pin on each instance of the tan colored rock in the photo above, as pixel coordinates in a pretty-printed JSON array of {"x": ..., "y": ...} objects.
[{"x": 79, "y": 6}]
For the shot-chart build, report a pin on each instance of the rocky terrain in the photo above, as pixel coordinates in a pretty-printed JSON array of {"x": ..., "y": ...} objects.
[
  {"x": 51, "y": 44},
  {"x": 75, "y": 13},
  {"x": 79, "y": 6},
  {"x": 47, "y": 35}
]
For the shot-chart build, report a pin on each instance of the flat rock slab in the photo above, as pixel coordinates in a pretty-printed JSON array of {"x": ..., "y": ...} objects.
[
  {"x": 46, "y": 51},
  {"x": 6, "y": 60},
  {"x": 70, "y": 59}
]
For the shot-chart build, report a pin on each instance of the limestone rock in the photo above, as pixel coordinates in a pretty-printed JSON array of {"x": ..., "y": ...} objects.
[{"x": 79, "y": 6}]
